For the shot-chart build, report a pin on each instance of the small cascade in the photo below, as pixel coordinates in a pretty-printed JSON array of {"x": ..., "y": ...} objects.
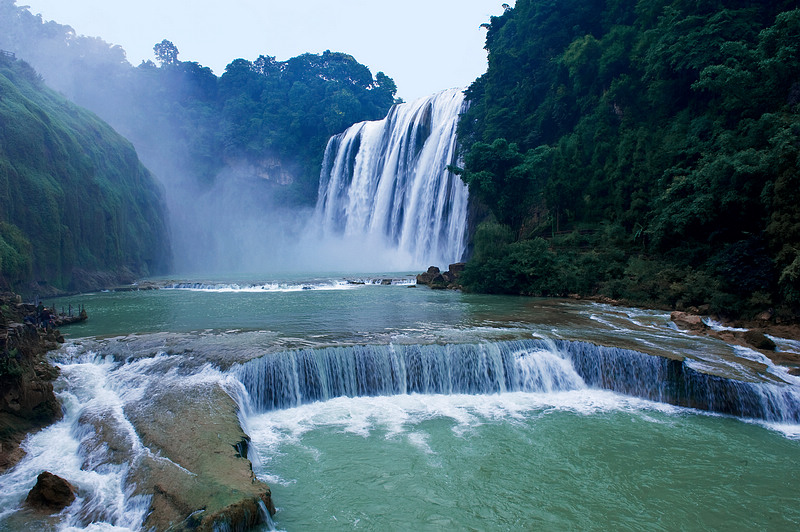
[
  {"x": 386, "y": 183},
  {"x": 293, "y": 378}
]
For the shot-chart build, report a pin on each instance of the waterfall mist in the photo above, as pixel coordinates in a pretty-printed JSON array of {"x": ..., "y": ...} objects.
[{"x": 386, "y": 203}]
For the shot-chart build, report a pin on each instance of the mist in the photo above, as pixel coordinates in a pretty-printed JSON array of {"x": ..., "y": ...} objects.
[{"x": 239, "y": 156}]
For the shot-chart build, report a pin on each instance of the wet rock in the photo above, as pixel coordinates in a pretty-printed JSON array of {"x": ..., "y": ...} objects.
[
  {"x": 197, "y": 473},
  {"x": 766, "y": 315},
  {"x": 427, "y": 277},
  {"x": 50, "y": 494},
  {"x": 27, "y": 401},
  {"x": 687, "y": 321},
  {"x": 758, "y": 340},
  {"x": 438, "y": 280}
]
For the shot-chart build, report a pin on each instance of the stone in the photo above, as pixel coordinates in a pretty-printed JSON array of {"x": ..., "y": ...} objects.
[
  {"x": 687, "y": 321},
  {"x": 765, "y": 316},
  {"x": 457, "y": 268},
  {"x": 215, "y": 486},
  {"x": 758, "y": 340},
  {"x": 50, "y": 494}
]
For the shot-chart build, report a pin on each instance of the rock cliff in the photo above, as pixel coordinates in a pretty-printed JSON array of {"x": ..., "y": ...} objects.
[{"x": 27, "y": 401}]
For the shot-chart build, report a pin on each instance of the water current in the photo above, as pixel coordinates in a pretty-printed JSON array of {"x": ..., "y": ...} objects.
[{"x": 372, "y": 405}]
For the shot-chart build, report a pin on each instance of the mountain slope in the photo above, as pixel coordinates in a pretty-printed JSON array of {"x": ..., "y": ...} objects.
[
  {"x": 73, "y": 195},
  {"x": 645, "y": 151}
]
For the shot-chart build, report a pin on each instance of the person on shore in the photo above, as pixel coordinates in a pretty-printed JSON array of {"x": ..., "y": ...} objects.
[{"x": 45, "y": 317}]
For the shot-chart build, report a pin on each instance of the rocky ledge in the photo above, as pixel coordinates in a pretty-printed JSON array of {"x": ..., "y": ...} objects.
[
  {"x": 754, "y": 335},
  {"x": 438, "y": 280},
  {"x": 27, "y": 401}
]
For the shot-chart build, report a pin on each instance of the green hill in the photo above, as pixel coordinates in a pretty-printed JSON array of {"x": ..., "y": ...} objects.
[
  {"x": 75, "y": 202},
  {"x": 640, "y": 150}
]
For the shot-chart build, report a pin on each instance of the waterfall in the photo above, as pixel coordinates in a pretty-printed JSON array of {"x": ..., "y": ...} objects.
[
  {"x": 385, "y": 184},
  {"x": 292, "y": 378}
]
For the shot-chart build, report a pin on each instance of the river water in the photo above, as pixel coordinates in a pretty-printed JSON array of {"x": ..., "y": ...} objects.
[{"x": 375, "y": 405}]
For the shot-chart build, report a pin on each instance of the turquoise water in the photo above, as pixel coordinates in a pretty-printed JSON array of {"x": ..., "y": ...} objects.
[
  {"x": 572, "y": 461},
  {"x": 581, "y": 459}
]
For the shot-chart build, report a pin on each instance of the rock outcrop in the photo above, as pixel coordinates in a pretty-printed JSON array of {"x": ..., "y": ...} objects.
[
  {"x": 438, "y": 280},
  {"x": 199, "y": 476},
  {"x": 27, "y": 401},
  {"x": 753, "y": 337},
  {"x": 51, "y": 494}
]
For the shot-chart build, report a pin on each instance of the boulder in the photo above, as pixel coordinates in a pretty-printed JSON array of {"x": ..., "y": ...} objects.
[
  {"x": 457, "y": 268},
  {"x": 686, "y": 321},
  {"x": 758, "y": 340},
  {"x": 215, "y": 487},
  {"x": 439, "y": 282},
  {"x": 50, "y": 494},
  {"x": 429, "y": 276}
]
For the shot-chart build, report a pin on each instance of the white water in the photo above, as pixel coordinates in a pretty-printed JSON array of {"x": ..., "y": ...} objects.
[
  {"x": 385, "y": 191},
  {"x": 554, "y": 393},
  {"x": 89, "y": 387}
]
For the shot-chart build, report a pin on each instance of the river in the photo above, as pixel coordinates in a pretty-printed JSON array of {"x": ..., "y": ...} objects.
[{"x": 372, "y": 404}]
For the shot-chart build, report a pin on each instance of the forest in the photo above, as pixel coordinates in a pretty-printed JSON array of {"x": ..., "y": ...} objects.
[
  {"x": 644, "y": 151},
  {"x": 90, "y": 204},
  {"x": 272, "y": 116}
]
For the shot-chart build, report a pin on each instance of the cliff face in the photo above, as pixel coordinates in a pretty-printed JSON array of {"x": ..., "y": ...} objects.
[
  {"x": 27, "y": 401},
  {"x": 75, "y": 201}
]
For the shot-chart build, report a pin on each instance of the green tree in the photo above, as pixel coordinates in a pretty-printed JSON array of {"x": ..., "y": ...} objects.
[{"x": 166, "y": 53}]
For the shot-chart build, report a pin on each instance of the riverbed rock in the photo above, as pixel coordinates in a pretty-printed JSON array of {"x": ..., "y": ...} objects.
[
  {"x": 438, "y": 280},
  {"x": 457, "y": 268},
  {"x": 196, "y": 472},
  {"x": 759, "y": 340},
  {"x": 50, "y": 494},
  {"x": 687, "y": 321},
  {"x": 427, "y": 277}
]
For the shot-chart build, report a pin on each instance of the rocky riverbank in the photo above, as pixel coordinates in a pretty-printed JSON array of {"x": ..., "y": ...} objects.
[
  {"x": 195, "y": 472},
  {"x": 27, "y": 401}
]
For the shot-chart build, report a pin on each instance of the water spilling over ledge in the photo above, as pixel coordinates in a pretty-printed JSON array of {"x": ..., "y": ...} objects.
[
  {"x": 386, "y": 183},
  {"x": 293, "y": 378}
]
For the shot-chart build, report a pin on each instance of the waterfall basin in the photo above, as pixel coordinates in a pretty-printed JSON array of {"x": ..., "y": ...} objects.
[{"x": 563, "y": 453}]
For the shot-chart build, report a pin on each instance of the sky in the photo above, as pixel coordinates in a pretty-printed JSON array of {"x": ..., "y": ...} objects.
[{"x": 424, "y": 45}]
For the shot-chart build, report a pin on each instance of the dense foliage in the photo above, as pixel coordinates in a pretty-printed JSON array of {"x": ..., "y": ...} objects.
[
  {"x": 73, "y": 194},
  {"x": 273, "y": 117},
  {"x": 641, "y": 150}
]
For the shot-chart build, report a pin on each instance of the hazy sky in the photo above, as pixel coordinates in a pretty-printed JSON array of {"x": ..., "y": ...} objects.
[{"x": 424, "y": 45}]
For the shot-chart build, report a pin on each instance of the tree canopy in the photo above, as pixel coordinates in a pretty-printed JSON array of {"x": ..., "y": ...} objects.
[
  {"x": 185, "y": 119},
  {"x": 652, "y": 145}
]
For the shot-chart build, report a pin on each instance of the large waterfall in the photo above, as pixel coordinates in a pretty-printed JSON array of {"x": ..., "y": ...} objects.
[{"x": 385, "y": 185}]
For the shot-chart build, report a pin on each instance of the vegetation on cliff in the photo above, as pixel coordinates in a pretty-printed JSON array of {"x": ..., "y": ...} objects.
[
  {"x": 73, "y": 195},
  {"x": 639, "y": 150},
  {"x": 273, "y": 117}
]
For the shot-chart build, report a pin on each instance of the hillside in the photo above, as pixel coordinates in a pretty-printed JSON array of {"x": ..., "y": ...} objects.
[
  {"x": 76, "y": 205},
  {"x": 646, "y": 151},
  {"x": 266, "y": 119}
]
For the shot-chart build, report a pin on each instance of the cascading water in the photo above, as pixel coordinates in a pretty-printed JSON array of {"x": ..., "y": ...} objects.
[
  {"x": 385, "y": 184},
  {"x": 293, "y": 378}
]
